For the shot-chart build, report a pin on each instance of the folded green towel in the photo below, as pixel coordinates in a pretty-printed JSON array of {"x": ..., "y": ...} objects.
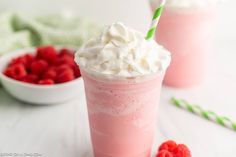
[
  {"x": 58, "y": 29},
  {"x": 20, "y": 31},
  {"x": 9, "y": 39}
]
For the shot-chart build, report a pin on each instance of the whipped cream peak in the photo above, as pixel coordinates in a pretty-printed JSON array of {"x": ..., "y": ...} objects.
[{"x": 122, "y": 52}]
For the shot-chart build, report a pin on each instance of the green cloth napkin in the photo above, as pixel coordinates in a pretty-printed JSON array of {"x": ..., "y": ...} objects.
[
  {"x": 9, "y": 39},
  {"x": 19, "y": 31},
  {"x": 58, "y": 29}
]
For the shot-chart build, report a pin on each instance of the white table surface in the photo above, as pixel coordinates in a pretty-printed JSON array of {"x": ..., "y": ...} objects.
[{"x": 62, "y": 130}]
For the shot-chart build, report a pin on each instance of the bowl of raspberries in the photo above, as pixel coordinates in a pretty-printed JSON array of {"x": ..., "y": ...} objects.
[{"x": 43, "y": 75}]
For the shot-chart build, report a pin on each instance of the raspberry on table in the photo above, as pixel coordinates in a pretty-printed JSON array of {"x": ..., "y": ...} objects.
[
  {"x": 168, "y": 145},
  {"x": 171, "y": 149},
  {"x": 164, "y": 153},
  {"x": 181, "y": 151}
]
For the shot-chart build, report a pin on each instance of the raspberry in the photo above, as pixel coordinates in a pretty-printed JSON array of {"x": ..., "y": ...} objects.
[
  {"x": 16, "y": 71},
  {"x": 66, "y": 52},
  {"x": 63, "y": 68},
  {"x": 18, "y": 60},
  {"x": 76, "y": 71},
  {"x": 66, "y": 60},
  {"x": 171, "y": 149},
  {"x": 46, "y": 67},
  {"x": 9, "y": 72},
  {"x": 26, "y": 60},
  {"x": 30, "y": 78},
  {"x": 47, "y": 53},
  {"x": 164, "y": 153},
  {"x": 50, "y": 74},
  {"x": 38, "y": 67},
  {"x": 46, "y": 82},
  {"x": 181, "y": 151},
  {"x": 168, "y": 145},
  {"x": 66, "y": 76},
  {"x": 29, "y": 57}
]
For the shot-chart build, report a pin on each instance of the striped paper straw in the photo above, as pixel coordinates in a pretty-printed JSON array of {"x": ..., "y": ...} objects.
[
  {"x": 155, "y": 20},
  {"x": 209, "y": 115}
]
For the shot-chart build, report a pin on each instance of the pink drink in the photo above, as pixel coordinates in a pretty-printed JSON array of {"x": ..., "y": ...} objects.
[
  {"x": 122, "y": 114},
  {"x": 187, "y": 35},
  {"x": 122, "y": 74}
]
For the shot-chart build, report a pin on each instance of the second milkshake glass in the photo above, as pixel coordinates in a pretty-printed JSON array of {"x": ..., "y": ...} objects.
[
  {"x": 122, "y": 114},
  {"x": 187, "y": 34}
]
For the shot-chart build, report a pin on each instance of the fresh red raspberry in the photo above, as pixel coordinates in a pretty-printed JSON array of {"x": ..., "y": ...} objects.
[
  {"x": 9, "y": 72},
  {"x": 16, "y": 71},
  {"x": 38, "y": 67},
  {"x": 66, "y": 52},
  {"x": 30, "y": 78},
  {"x": 29, "y": 57},
  {"x": 181, "y": 151},
  {"x": 46, "y": 82},
  {"x": 50, "y": 74},
  {"x": 164, "y": 153},
  {"x": 62, "y": 68},
  {"x": 173, "y": 149},
  {"x": 65, "y": 76},
  {"x": 65, "y": 60},
  {"x": 18, "y": 60},
  {"x": 168, "y": 145},
  {"x": 26, "y": 60},
  {"x": 76, "y": 71},
  {"x": 46, "y": 67},
  {"x": 47, "y": 53}
]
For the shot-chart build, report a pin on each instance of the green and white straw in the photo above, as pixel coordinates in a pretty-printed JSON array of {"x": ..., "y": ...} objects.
[
  {"x": 155, "y": 20},
  {"x": 209, "y": 115}
]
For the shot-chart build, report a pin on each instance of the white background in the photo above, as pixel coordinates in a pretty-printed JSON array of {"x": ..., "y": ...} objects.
[{"x": 62, "y": 130}]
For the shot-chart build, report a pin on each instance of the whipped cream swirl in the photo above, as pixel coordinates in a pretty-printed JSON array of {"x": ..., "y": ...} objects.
[{"x": 122, "y": 52}]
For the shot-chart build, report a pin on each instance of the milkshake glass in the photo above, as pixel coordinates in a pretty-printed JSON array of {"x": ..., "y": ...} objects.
[
  {"x": 122, "y": 98},
  {"x": 185, "y": 29},
  {"x": 122, "y": 115}
]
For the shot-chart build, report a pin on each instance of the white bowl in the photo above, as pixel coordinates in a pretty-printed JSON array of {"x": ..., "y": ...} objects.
[{"x": 38, "y": 94}]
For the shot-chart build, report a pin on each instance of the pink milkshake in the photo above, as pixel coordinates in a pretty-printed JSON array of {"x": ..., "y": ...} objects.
[
  {"x": 185, "y": 29},
  {"x": 122, "y": 75},
  {"x": 122, "y": 115}
]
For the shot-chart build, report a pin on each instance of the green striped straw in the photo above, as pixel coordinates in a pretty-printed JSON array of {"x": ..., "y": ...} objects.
[
  {"x": 209, "y": 115},
  {"x": 155, "y": 20}
]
